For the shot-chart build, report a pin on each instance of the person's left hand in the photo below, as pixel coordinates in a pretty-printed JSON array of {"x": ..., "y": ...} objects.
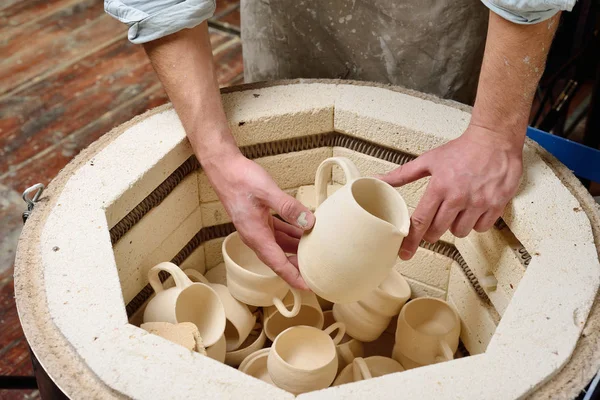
[{"x": 473, "y": 177}]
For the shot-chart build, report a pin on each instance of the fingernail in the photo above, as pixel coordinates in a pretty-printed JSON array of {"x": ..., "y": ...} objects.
[
  {"x": 405, "y": 254},
  {"x": 302, "y": 221}
]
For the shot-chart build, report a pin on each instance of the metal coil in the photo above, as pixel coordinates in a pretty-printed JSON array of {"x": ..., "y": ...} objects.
[{"x": 332, "y": 139}]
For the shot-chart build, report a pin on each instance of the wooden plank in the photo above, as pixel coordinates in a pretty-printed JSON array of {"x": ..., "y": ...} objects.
[
  {"x": 19, "y": 395},
  {"x": 55, "y": 42},
  {"x": 13, "y": 358},
  {"x": 26, "y": 12}
]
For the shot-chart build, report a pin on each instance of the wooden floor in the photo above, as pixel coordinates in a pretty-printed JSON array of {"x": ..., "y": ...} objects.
[{"x": 67, "y": 76}]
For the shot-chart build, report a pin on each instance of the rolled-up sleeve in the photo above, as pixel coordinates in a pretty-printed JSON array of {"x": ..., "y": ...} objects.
[
  {"x": 152, "y": 19},
  {"x": 528, "y": 11}
]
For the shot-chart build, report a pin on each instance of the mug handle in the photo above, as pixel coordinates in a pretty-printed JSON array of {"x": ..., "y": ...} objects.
[
  {"x": 180, "y": 278},
  {"x": 295, "y": 309},
  {"x": 346, "y": 354},
  {"x": 447, "y": 353},
  {"x": 196, "y": 276},
  {"x": 360, "y": 369},
  {"x": 341, "y": 327},
  {"x": 324, "y": 175}
]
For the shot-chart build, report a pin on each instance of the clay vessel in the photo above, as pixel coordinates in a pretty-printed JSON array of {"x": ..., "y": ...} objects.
[
  {"x": 310, "y": 314},
  {"x": 255, "y": 341},
  {"x": 240, "y": 321},
  {"x": 186, "y": 302},
  {"x": 356, "y": 237},
  {"x": 348, "y": 348},
  {"x": 367, "y": 368},
  {"x": 217, "y": 350},
  {"x": 256, "y": 365},
  {"x": 303, "y": 358},
  {"x": 251, "y": 281},
  {"x": 427, "y": 332}
]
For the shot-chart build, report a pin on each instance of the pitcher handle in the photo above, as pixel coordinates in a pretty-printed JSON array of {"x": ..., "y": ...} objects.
[
  {"x": 295, "y": 309},
  {"x": 324, "y": 175},
  {"x": 180, "y": 278},
  {"x": 447, "y": 353},
  {"x": 341, "y": 327},
  {"x": 196, "y": 276},
  {"x": 360, "y": 369}
]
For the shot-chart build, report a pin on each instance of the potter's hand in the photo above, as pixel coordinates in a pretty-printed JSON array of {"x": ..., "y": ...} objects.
[
  {"x": 472, "y": 179},
  {"x": 248, "y": 192}
]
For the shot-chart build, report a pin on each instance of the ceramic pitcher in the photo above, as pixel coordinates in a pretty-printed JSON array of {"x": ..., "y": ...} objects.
[{"x": 356, "y": 237}]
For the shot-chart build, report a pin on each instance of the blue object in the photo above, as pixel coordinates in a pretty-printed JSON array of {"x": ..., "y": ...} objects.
[{"x": 582, "y": 160}]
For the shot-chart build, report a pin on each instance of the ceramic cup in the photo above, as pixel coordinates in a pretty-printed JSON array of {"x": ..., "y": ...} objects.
[
  {"x": 427, "y": 332},
  {"x": 251, "y": 281},
  {"x": 304, "y": 358},
  {"x": 367, "y": 368},
  {"x": 310, "y": 314},
  {"x": 186, "y": 302},
  {"x": 348, "y": 348},
  {"x": 361, "y": 323},
  {"x": 253, "y": 343},
  {"x": 240, "y": 321},
  {"x": 256, "y": 365},
  {"x": 217, "y": 351},
  {"x": 389, "y": 297},
  {"x": 357, "y": 235}
]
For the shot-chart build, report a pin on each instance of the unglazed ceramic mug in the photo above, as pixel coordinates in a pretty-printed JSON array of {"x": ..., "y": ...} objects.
[
  {"x": 256, "y": 365},
  {"x": 427, "y": 332},
  {"x": 304, "y": 358},
  {"x": 348, "y": 348},
  {"x": 310, "y": 314},
  {"x": 251, "y": 281},
  {"x": 186, "y": 302},
  {"x": 367, "y": 368},
  {"x": 389, "y": 297},
  {"x": 357, "y": 235},
  {"x": 217, "y": 351},
  {"x": 361, "y": 323},
  {"x": 240, "y": 321},
  {"x": 255, "y": 341}
]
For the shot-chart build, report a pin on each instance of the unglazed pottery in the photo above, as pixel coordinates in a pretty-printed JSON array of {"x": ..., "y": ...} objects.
[
  {"x": 304, "y": 358},
  {"x": 256, "y": 365},
  {"x": 217, "y": 274},
  {"x": 361, "y": 323},
  {"x": 186, "y": 302},
  {"x": 427, "y": 332},
  {"x": 255, "y": 341},
  {"x": 218, "y": 350},
  {"x": 240, "y": 321},
  {"x": 310, "y": 314},
  {"x": 356, "y": 237},
  {"x": 348, "y": 348},
  {"x": 367, "y": 368},
  {"x": 251, "y": 281},
  {"x": 389, "y": 297}
]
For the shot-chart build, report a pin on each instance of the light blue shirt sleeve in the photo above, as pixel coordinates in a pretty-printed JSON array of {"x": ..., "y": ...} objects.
[
  {"x": 153, "y": 19},
  {"x": 528, "y": 11}
]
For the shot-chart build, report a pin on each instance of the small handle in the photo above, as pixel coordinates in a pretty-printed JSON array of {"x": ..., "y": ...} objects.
[
  {"x": 346, "y": 354},
  {"x": 447, "y": 353},
  {"x": 295, "y": 309},
  {"x": 360, "y": 369},
  {"x": 180, "y": 278},
  {"x": 196, "y": 276},
  {"x": 324, "y": 174},
  {"x": 341, "y": 327}
]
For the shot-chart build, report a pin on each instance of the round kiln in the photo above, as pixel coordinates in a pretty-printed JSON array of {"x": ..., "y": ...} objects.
[{"x": 524, "y": 290}]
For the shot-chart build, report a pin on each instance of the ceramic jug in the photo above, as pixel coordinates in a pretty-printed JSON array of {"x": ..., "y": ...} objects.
[
  {"x": 186, "y": 302},
  {"x": 356, "y": 237}
]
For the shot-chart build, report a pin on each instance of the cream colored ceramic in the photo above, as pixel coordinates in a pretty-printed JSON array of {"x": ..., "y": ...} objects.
[
  {"x": 185, "y": 302},
  {"x": 361, "y": 323},
  {"x": 348, "y": 348},
  {"x": 310, "y": 314},
  {"x": 240, "y": 321},
  {"x": 367, "y": 368},
  {"x": 304, "y": 358},
  {"x": 217, "y": 274},
  {"x": 356, "y": 237},
  {"x": 427, "y": 332},
  {"x": 251, "y": 281},
  {"x": 218, "y": 350},
  {"x": 255, "y": 341},
  {"x": 256, "y": 365},
  {"x": 389, "y": 297}
]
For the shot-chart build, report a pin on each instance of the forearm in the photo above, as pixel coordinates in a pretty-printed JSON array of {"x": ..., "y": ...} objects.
[
  {"x": 513, "y": 62},
  {"x": 184, "y": 64}
]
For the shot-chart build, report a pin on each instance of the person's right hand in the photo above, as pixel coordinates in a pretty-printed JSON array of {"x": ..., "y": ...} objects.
[{"x": 248, "y": 193}]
